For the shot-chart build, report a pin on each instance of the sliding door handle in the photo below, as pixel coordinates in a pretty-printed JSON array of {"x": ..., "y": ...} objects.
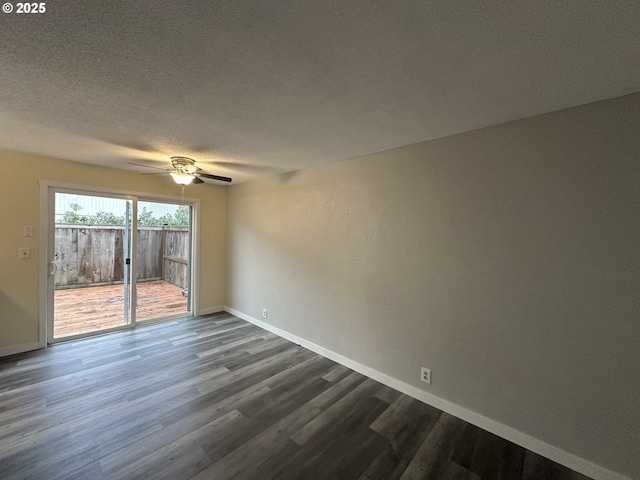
[{"x": 53, "y": 267}]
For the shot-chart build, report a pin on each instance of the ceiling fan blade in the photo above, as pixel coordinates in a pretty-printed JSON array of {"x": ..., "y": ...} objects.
[
  {"x": 214, "y": 177},
  {"x": 148, "y": 166},
  {"x": 197, "y": 180}
]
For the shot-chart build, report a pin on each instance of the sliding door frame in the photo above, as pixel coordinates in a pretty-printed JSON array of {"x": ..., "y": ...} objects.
[{"x": 48, "y": 189}]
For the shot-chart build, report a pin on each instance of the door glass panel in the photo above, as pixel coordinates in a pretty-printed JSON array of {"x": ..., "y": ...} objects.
[
  {"x": 163, "y": 259},
  {"x": 92, "y": 244}
]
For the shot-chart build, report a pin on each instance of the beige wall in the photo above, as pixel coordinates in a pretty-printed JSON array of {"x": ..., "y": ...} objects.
[
  {"x": 507, "y": 260},
  {"x": 19, "y": 206}
]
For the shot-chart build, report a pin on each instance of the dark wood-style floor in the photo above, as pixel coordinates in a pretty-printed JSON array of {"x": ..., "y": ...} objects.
[
  {"x": 218, "y": 398},
  {"x": 89, "y": 309}
]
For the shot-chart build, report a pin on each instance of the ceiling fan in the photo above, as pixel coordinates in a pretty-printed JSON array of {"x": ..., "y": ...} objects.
[{"x": 184, "y": 171}]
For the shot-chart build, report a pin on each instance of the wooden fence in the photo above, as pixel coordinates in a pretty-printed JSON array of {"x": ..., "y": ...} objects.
[{"x": 94, "y": 255}]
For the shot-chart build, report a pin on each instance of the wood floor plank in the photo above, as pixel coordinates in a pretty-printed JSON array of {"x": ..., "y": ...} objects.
[
  {"x": 405, "y": 425},
  {"x": 432, "y": 461},
  {"x": 337, "y": 373},
  {"x": 338, "y": 390},
  {"x": 540, "y": 468},
  {"x": 330, "y": 419},
  {"x": 163, "y": 450},
  {"x": 349, "y": 454},
  {"x": 216, "y": 398},
  {"x": 330, "y": 449},
  {"x": 259, "y": 456},
  {"x": 488, "y": 456},
  {"x": 262, "y": 419}
]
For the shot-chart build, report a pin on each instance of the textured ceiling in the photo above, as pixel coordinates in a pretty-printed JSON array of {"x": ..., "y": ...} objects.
[{"x": 249, "y": 88}]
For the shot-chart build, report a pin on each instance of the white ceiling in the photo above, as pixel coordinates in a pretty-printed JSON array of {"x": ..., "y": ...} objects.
[{"x": 251, "y": 87}]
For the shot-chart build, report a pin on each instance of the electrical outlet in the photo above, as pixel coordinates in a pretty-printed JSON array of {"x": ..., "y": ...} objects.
[
  {"x": 264, "y": 313},
  {"x": 425, "y": 375}
]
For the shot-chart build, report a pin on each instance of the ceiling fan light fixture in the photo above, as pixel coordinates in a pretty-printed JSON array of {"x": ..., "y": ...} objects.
[{"x": 181, "y": 178}]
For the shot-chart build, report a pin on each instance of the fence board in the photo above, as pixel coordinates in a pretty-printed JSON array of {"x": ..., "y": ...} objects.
[
  {"x": 149, "y": 252},
  {"x": 94, "y": 255},
  {"x": 176, "y": 253}
]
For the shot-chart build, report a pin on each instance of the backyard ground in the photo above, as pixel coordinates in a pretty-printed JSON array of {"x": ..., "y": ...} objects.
[{"x": 82, "y": 310}]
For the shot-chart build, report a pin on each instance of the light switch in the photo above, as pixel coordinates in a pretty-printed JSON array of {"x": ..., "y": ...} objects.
[
  {"x": 27, "y": 231},
  {"x": 24, "y": 253}
]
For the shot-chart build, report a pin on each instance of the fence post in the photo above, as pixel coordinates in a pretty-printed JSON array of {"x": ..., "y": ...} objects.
[{"x": 164, "y": 250}]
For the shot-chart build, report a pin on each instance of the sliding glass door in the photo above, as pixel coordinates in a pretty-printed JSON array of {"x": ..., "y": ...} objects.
[{"x": 115, "y": 260}]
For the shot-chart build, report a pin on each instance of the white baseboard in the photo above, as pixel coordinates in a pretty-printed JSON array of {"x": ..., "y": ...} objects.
[
  {"x": 26, "y": 347},
  {"x": 210, "y": 310},
  {"x": 556, "y": 454}
]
